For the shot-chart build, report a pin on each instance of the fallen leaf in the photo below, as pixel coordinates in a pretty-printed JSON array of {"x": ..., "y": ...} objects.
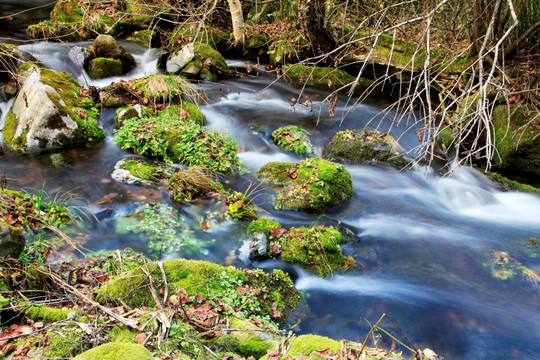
[{"x": 140, "y": 338}]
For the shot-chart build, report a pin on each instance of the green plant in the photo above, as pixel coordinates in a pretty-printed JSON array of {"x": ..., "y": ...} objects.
[
  {"x": 186, "y": 185},
  {"x": 143, "y": 136},
  {"x": 37, "y": 249},
  {"x": 163, "y": 228}
]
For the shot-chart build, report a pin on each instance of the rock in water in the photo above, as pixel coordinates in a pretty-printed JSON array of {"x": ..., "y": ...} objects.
[
  {"x": 105, "y": 46},
  {"x": 11, "y": 241},
  {"x": 178, "y": 60},
  {"x": 50, "y": 112}
]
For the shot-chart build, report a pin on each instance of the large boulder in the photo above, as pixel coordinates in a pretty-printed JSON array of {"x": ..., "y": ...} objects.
[
  {"x": 106, "y": 46},
  {"x": 314, "y": 185},
  {"x": 368, "y": 146},
  {"x": 11, "y": 241},
  {"x": 50, "y": 112}
]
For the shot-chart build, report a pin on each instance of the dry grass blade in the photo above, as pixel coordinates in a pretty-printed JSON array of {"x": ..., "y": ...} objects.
[{"x": 187, "y": 184}]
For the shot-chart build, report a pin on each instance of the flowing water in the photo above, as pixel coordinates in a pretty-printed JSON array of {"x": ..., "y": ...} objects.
[{"x": 427, "y": 243}]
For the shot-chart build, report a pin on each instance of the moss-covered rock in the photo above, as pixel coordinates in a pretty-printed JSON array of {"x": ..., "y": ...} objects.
[
  {"x": 186, "y": 111},
  {"x": 246, "y": 339},
  {"x": 65, "y": 343},
  {"x": 143, "y": 12},
  {"x": 323, "y": 77},
  {"x": 316, "y": 249},
  {"x": 211, "y": 59},
  {"x": 132, "y": 111},
  {"x": 12, "y": 240},
  {"x": 281, "y": 52},
  {"x": 293, "y": 138},
  {"x": 517, "y": 139},
  {"x": 506, "y": 184},
  {"x": 117, "y": 351},
  {"x": 50, "y": 112},
  {"x": 309, "y": 344},
  {"x": 206, "y": 279},
  {"x": 100, "y": 68},
  {"x": 314, "y": 185},
  {"x": 67, "y": 11},
  {"x": 106, "y": 46},
  {"x": 140, "y": 172},
  {"x": 366, "y": 146},
  {"x": 144, "y": 37},
  {"x": 161, "y": 88},
  {"x": 193, "y": 69},
  {"x": 47, "y": 29}
]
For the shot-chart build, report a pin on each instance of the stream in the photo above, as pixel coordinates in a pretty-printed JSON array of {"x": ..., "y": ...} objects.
[{"x": 428, "y": 242}]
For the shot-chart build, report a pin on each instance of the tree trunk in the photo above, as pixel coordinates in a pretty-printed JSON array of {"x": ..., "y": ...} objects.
[
  {"x": 235, "y": 8},
  {"x": 316, "y": 26}
]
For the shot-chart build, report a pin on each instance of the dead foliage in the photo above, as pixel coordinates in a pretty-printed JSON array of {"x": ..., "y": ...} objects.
[{"x": 197, "y": 181}]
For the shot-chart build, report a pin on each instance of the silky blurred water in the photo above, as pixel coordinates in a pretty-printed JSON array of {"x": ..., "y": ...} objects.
[{"x": 427, "y": 242}]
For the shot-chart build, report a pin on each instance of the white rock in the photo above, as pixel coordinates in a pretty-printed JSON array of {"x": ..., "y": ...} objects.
[{"x": 177, "y": 61}]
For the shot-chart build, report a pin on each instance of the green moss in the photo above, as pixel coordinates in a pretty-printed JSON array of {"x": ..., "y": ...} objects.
[
  {"x": 100, "y": 68},
  {"x": 194, "y": 67},
  {"x": 510, "y": 185},
  {"x": 210, "y": 57},
  {"x": 185, "y": 112},
  {"x": 117, "y": 351},
  {"x": 307, "y": 344},
  {"x": 9, "y": 131},
  {"x": 247, "y": 339},
  {"x": 65, "y": 31},
  {"x": 122, "y": 334},
  {"x": 263, "y": 225},
  {"x": 324, "y": 77},
  {"x": 364, "y": 147},
  {"x": 64, "y": 343},
  {"x": 446, "y": 137},
  {"x": 200, "y": 278},
  {"x": 162, "y": 88},
  {"x": 142, "y": 170},
  {"x": 516, "y": 140},
  {"x": 143, "y": 37},
  {"x": 314, "y": 185},
  {"x": 316, "y": 249},
  {"x": 66, "y": 11},
  {"x": 207, "y": 75},
  {"x": 293, "y": 138},
  {"x": 280, "y": 52},
  {"x": 48, "y": 315},
  {"x": 130, "y": 112}
]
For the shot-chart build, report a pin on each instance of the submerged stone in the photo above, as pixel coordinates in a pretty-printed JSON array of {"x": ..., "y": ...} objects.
[
  {"x": 314, "y": 185},
  {"x": 373, "y": 147},
  {"x": 139, "y": 172}
]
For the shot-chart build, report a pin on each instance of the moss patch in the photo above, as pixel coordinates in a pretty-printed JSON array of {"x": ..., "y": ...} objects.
[
  {"x": 506, "y": 184},
  {"x": 202, "y": 278},
  {"x": 247, "y": 339},
  {"x": 293, "y": 138},
  {"x": 117, "y": 351},
  {"x": 364, "y": 147},
  {"x": 142, "y": 170},
  {"x": 186, "y": 111},
  {"x": 48, "y": 315},
  {"x": 307, "y": 344},
  {"x": 323, "y": 77},
  {"x": 314, "y": 185},
  {"x": 162, "y": 88},
  {"x": 100, "y": 68}
]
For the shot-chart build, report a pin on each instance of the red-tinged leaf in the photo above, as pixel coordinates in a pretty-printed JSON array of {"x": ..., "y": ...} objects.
[
  {"x": 325, "y": 352},
  {"x": 241, "y": 290},
  {"x": 48, "y": 340},
  {"x": 276, "y": 314},
  {"x": 23, "y": 350},
  {"x": 200, "y": 298},
  {"x": 278, "y": 233},
  {"x": 140, "y": 338},
  {"x": 276, "y": 249}
]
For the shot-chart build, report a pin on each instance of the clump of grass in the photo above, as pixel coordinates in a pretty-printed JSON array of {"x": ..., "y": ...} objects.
[{"x": 194, "y": 182}]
